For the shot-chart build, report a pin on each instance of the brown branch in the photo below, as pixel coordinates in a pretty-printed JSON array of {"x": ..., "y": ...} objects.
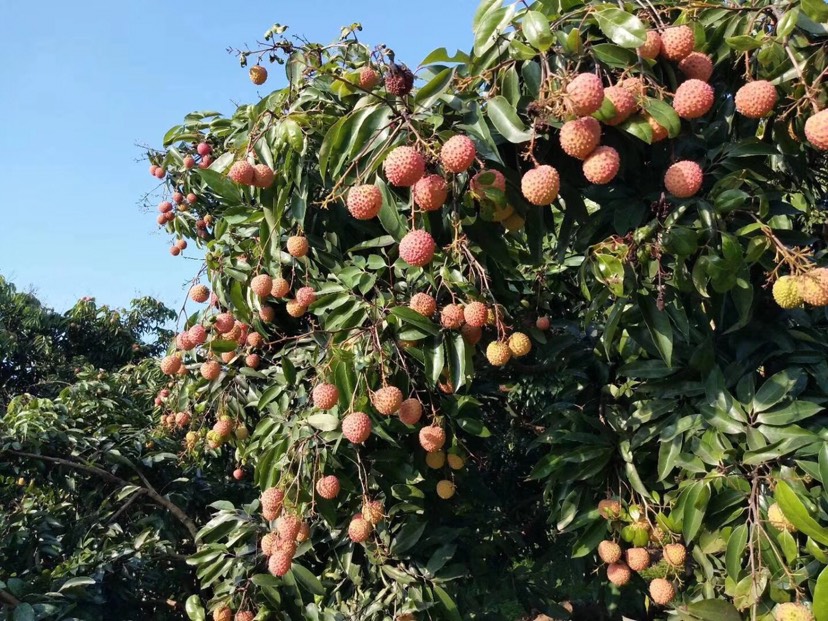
[
  {"x": 148, "y": 490},
  {"x": 9, "y": 599}
]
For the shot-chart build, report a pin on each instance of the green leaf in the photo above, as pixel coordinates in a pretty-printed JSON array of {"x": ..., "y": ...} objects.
[
  {"x": 76, "y": 582},
  {"x": 448, "y": 604},
  {"x": 817, "y": 10},
  {"x": 695, "y": 506},
  {"x": 590, "y": 538},
  {"x": 412, "y": 317},
  {"x": 506, "y": 121},
  {"x": 798, "y": 514},
  {"x": 408, "y": 536},
  {"x": 434, "y": 88},
  {"x": 664, "y": 115},
  {"x": 473, "y": 427},
  {"x": 621, "y": 27},
  {"x": 306, "y": 579},
  {"x": 735, "y": 551},
  {"x": 194, "y": 609},
  {"x": 221, "y": 185},
  {"x": 613, "y": 55},
  {"x": 714, "y": 610},
  {"x": 323, "y": 422},
  {"x": 659, "y": 326},
  {"x": 820, "y": 604},
  {"x": 23, "y": 612},
  {"x": 775, "y": 389},
  {"x": 389, "y": 216},
  {"x": 536, "y": 29},
  {"x": 791, "y": 413}
]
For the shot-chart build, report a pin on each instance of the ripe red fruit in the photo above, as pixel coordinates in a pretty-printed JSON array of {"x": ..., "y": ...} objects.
[
  {"x": 204, "y": 149},
  {"x": 580, "y": 137},
  {"x": 542, "y": 323},
  {"x": 178, "y": 198},
  {"x": 253, "y": 361},
  {"x": 272, "y": 499},
  {"x": 258, "y": 75},
  {"x": 623, "y": 102},
  {"x": 238, "y": 474},
  {"x": 280, "y": 288},
  {"x": 263, "y": 176},
  {"x": 359, "y": 529},
  {"x": 369, "y": 78},
  {"x": 476, "y": 314},
  {"x": 261, "y": 285},
  {"x": 294, "y": 309},
  {"x": 410, "y": 411},
  {"x": 306, "y": 296},
  {"x": 242, "y": 172},
  {"x": 423, "y": 303},
  {"x": 328, "y": 487},
  {"x": 399, "y": 80},
  {"x": 192, "y": 198},
  {"x": 619, "y": 574},
  {"x": 175, "y": 251},
  {"x": 697, "y": 66},
  {"x": 677, "y": 42},
  {"x": 387, "y": 400},
  {"x": 404, "y": 166},
  {"x": 254, "y": 339},
  {"x": 585, "y": 94},
  {"x": 756, "y": 99},
  {"x": 652, "y": 46},
  {"x": 356, "y": 427},
  {"x": 161, "y": 219},
  {"x": 169, "y": 216},
  {"x": 244, "y": 615},
  {"x": 471, "y": 334},
  {"x": 659, "y": 132},
  {"x": 486, "y": 180},
  {"x": 325, "y": 396},
  {"x": 602, "y": 165},
  {"x": 225, "y": 322},
  {"x": 430, "y": 192},
  {"x": 206, "y": 161},
  {"x": 452, "y": 316},
  {"x": 683, "y": 179},
  {"x": 432, "y": 438},
  {"x": 816, "y": 130},
  {"x": 210, "y": 370},
  {"x": 540, "y": 185},
  {"x": 183, "y": 341},
  {"x": 170, "y": 364},
  {"x": 181, "y": 243},
  {"x": 662, "y": 591},
  {"x": 279, "y": 563},
  {"x": 165, "y": 206},
  {"x": 152, "y": 169},
  {"x": 160, "y": 173},
  {"x": 457, "y": 154},
  {"x": 267, "y": 313},
  {"x": 297, "y": 246},
  {"x": 182, "y": 419},
  {"x": 364, "y": 201},
  {"x": 417, "y": 248},
  {"x": 198, "y": 334},
  {"x": 693, "y": 99},
  {"x": 189, "y": 162}
]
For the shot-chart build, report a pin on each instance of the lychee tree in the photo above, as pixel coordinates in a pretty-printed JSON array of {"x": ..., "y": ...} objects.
[{"x": 594, "y": 237}]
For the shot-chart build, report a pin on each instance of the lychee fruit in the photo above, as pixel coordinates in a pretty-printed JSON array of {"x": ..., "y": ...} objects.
[
  {"x": 445, "y": 489},
  {"x": 210, "y": 370},
  {"x": 399, "y": 80},
  {"x": 542, "y": 323},
  {"x": 181, "y": 244},
  {"x": 652, "y": 46},
  {"x": 192, "y": 198},
  {"x": 359, "y": 530},
  {"x": 267, "y": 543},
  {"x": 387, "y": 400},
  {"x": 756, "y": 99},
  {"x": 675, "y": 554},
  {"x": 677, "y": 42},
  {"x": 457, "y": 154},
  {"x": 585, "y": 94},
  {"x": 242, "y": 172},
  {"x": 205, "y": 162},
  {"x": 297, "y": 246},
  {"x": 364, "y": 201},
  {"x": 369, "y": 78},
  {"x": 261, "y": 285},
  {"x": 471, "y": 334},
  {"x": 328, "y": 487},
  {"x": 580, "y": 137},
  {"x": 487, "y": 180},
  {"x": 175, "y": 251},
  {"x": 224, "y": 427},
  {"x": 816, "y": 130},
  {"x": 263, "y": 176},
  {"x": 152, "y": 169},
  {"x": 222, "y": 613},
  {"x": 778, "y": 520},
  {"x": 404, "y": 166},
  {"x": 244, "y": 615},
  {"x": 623, "y": 102},
  {"x": 254, "y": 339},
  {"x": 267, "y": 313},
  {"x": 786, "y": 292},
  {"x": 498, "y": 353},
  {"x": 476, "y": 314},
  {"x": 514, "y": 222},
  {"x": 683, "y": 179},
  {"x": 634, "y": 86},
  {"x": 288, "y": 526},
  {"x": 225, "y": 322},
  {"x": 662, "y": 591},
  {"x": 280, "y": 288},
  {"x": 659, "y": 132},
  {"x": 638, "y": 559},
  {"x": 423, "y": 303},
  {"x": 619, "y": 574},
  {"x": 693, "y": 99},
  {"x": 203, "y": 149},
  {"x": 435, "y": 460},
  {"x": 279, "y": 563},
  {"x": 306, "y": 296},
  {"x": 452, "y": 316},
  {"x": 182, "y": 419},
  {"x": 417, "y": 248},
  {"x": 238, "y": 474},
  {"x": 258, "y": 75},
  {"x": 430, "y": 192},
  {"x": 410, "y": 411},
  {"x": 295, "y": 309},
  {"x": 519, "y": 344},
  {"x": 609, "y": 552},
  {"x": 697, "y": 66},
  {"x": 304, "y": 532},
  {"x": 602, "y": 165},
  {"x": 540, "y": 185},
  {"x": 792, "y": 611},
  {"x": 165, "y": 206},
  {"x": 356, "y": 427},
  {"x": 325, "y": 396},
  {"x": 432, "y": 438},
  {"x": 272, "y": 499},
  {"x": 189, "y": 162},
  {"x": 373, "y": 511},
  {"x": 160, "y": 172},
  {"x": 252, "y": 360},
  {"x": 183, "y": 341},
  {"x": 170, "y": 364},
  {"x": 813, "y": 286}
]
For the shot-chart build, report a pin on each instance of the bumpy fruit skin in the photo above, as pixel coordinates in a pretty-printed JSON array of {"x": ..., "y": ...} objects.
[
  {"x": 356, "y": 427},
  {"x": 295, "y": 309},
  {"x": 304, "y": 532},
  {"x": 816, "y": 130},
  {"x": 222, "y": 613},
  {"x": 252, "y": 360},
  {"x": 254, "y": 339},
  {"x": 263, "y": 176},
  {"x": 792, "y": 611},
  {"x": 267, "y": 543},
  {"x": 210, "y": 370},
  {"x": 224, "y": 427},
  {"x": 634, "y": 86},
  {"x": 697, "y": 66},
  {"x": 164, "y": 207},
  {"x": 786, "y": 292},
  {"x": 387, "y": 400},
  {"x": 170, "y": 365},
  {"x": 540, "y": 185},
  {"x": 638, "y": 559},
  {"x": 399, "y": 80},
  {"x": 325, "y": 396},
  {"x": 288, "y": 527},
  {"x": 279, "y": 563},
  {"x": 652, "y": 46},
  {"x": 175, "y": 251},
  {"x": 445, "y": 489},
  {"x": 267, "y": 313},
  {"x": 306, "y": 296},
  {"x": 662, "y": 591},
  {"x": 677, "y": 42},
  {"x": 225, "y": 322},
  {"x": 242, "y": 172},
  {"x": 417, "y": 248},
  {"x": 203, "y": 149},
  {"x": 675, "y": 554},
  {"x": 435, "y": 460},
  {"x": 519, "y": 344},
  {"x": 261, "y": 285},
  {"x": 458, "y": 154},
  {"x": 580, "y": 137},
  {"x": 430, "y": 192},
  {"x": 778, "y": 520},
  {"x": 244, "y": 615},
  {"x": 756, "y": 99},
  {"x": 585, "y": 94},
  {"x": 359, "y": 530},
  {"x": 683, "y": 179},
  {"x": 297, "y": 246},
  {"x": 693, "y": 99},
  {"x": 369, "y": 78},
  {"x": 280, "y": 288},
  {"x": 471, "y": 334},
  {"x": 373, "y": 511},
  {"x": 228, "y": 356},
  {"x": 272, "y": 499},
  {"x": 423, "y": 303},
  {"x": 813, "y": 286},
  {"x": 476, "y": 314},
  {"x": 364, "y": 201},
  {"x": 609, "y": 552},
  {"x": 484, "y": 180},
  {"x": 609, "y": 508},
  {"x": 619, "y": 574},
  {"x": 452, "y": 316},
  {"x": 498, "y": 353},
  {"x": 258, "y": 75},
  {"x": 432, "y": 438},
  {"x": 328, "y": 487},
  {"x": 602, "y": 165},
  {"x": 659, "y": 132},
  {"x": 623, "y": 102},
  {"x": 182, "y": 419},
  {"x": 404, "y": 166},
  {"x": 542, "y": 323},
  {"x": 410, "y": 411}
]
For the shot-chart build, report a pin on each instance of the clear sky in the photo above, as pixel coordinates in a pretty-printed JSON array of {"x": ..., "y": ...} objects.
[{"x": 83, "y": 83}]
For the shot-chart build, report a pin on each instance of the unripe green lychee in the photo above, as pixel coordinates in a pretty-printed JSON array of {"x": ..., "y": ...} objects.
[{"x": 786, "y": 292}]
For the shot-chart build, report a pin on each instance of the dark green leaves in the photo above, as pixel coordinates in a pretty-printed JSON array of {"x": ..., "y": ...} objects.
[
  {"x": 506, "y": 121},
  {"x": 536, "y": 29},
  {"x": 621, "y": 27},
  {"x": 793, "y": 509},
  {"x": 659, "y": 327}
]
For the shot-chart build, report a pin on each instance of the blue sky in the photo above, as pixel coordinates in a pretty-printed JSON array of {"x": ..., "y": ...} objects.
[{"x": 84, "y": 82}]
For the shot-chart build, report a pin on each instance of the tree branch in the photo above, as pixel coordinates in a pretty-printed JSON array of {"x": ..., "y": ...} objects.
[{"x": 8, "y": 599}]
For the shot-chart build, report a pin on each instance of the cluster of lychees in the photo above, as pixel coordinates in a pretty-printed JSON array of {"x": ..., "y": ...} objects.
[{"x": 810, "y": 287}]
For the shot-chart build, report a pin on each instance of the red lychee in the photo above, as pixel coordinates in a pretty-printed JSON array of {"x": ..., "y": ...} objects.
[
  {"x": 417, "y": 248},
  {"x": 659, "y": 132},
  {"x": 295, "y": 309},
  {"x": 540, "y": 185},
  {"x": 254, "y": 339},
  {"x": 652, "y": 46},
  {"x": 189, "y": 162},
  {"x": 199, "y": 293},
  {"x": 430, "y": 192},
  {"x": 580, "y": 137},
  {"x": 210, "y": 370},
  {"x": 205, "y": 162},
  {"x": 387, "y": 400},
  {"x": 602, "y": 165},
  {"x": 369, "y": 78},
  {"x": 280, "y": 288},
  {"x": 471, "y": 334},
  {"x": 258, "y": 75},
  {"x": 356, "y": 427},
  {"x": 423, "y": 303},
  {"x": 170, "y": 364},
  {"x": 404, "y": 166},
  {"x": 432, "y": 438},
  {"x": 683, "y": 179},
  {"x": 165, "y": 206},
  {"x": 272, "y": 499},
  {"x": 328, "y": 487},
  {"x": 225, "y": 322},
  {"x": 619, "y": 574},
  {"x": 364, "y": 201},
  {"x": 242, "y": 172},
  {"x": 178, "y": 198},
  {"x": 263, "y": 176},
  {"x": 410, "y": 411},
  {"x": 306, "y": 296},
  {"x": 585, "y": 94},
  {"x": 458, "y": 154},
  {"x": 204, "y": 149},
  {"x": 693, "y": 99},
  {"x": 662, "y": 591},
  {"x": 279, "y": 563},
  {"x": 261, "y": 285},
  {"x": 697, "y": 66},
  {"x": 325, "y": 396},
  {"x": 297, "y": 246},
  {"x": 677, "y": 42},
  {"x": 476, "y": 314},
  {"x": 623, "y": 102},
  {"x": 359, "y": 530},
  {"x": 816, "y": 130},
  {"x": 452, "y": 316},
  {"x": 542, "y": 323},
  {"x": 756, "y": 99},
  {"x": 399, "y": 80},
  {"x": 252, "y": 360}
]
